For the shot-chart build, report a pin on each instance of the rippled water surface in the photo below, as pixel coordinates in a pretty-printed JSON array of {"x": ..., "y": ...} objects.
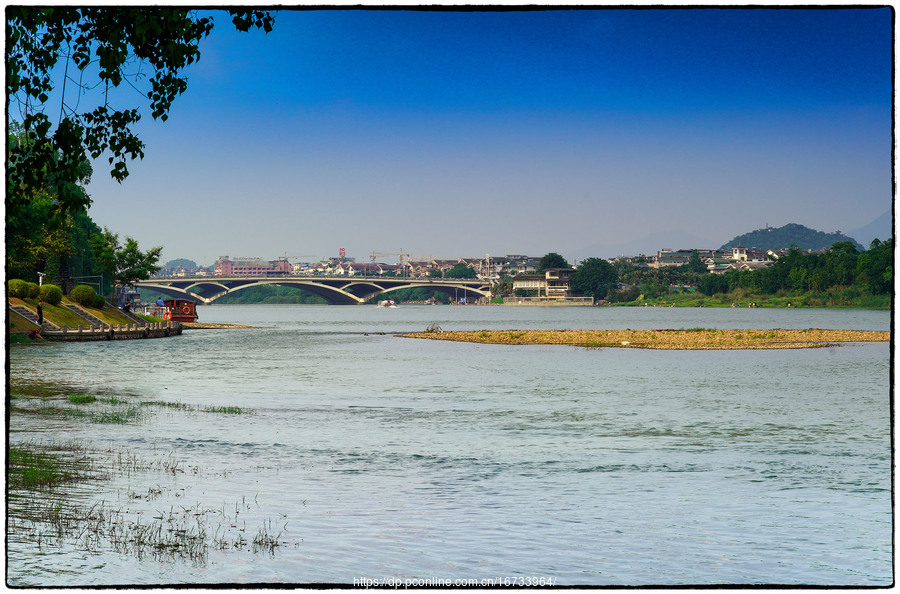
[{"x": 373, "y": 456}]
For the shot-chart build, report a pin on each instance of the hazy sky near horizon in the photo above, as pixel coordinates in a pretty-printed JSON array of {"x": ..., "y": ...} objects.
[{"x": 455, "y": 133}]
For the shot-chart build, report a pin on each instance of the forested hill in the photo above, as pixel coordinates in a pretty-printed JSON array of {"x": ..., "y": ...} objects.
[
  {"x": 181, "y": 263},
  {"x": 791, "y": 234}
]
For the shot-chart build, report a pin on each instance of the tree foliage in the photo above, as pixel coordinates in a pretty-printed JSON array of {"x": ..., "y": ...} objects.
[
  {"x": 552, "y": 260},
  {"x": 791, "y": 234},
  {"x": 840, "y": 266},
  {"x": 695, "y": 264},
  {"x": 594, "y": 277},
  {"x": 504, "y": 286},
  {"x": 270, "y": 294},
  {"x": 95, "y": 48},
  {"x": 460, "y": 270},
  {"x": 41, "y": 239},
  {"x": 124, "y": 263},
  {"x": 180, "y": 263}
]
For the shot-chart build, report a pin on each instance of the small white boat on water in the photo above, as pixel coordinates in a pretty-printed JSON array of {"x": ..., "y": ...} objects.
[{"x": 387, "y": 303}]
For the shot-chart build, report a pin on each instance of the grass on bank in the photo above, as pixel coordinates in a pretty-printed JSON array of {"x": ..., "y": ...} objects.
[
  {"x": 57, "y": 314},
  {"x": 63, "y": 316},
  {"x": 151, "y": 319},
  {"x": 18, "y": 324}
]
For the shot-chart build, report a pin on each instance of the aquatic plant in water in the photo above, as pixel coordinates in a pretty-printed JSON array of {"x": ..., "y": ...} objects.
[{"x": 177, "y": 534}]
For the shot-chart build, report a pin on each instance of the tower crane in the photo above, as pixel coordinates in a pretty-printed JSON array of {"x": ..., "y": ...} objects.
[
  {"x": 286, "y": 257},
  {"x": 401, "y": 256}
]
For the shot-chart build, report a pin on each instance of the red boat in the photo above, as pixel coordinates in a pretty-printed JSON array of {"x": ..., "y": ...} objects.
[{"x": 179, "y": 310}]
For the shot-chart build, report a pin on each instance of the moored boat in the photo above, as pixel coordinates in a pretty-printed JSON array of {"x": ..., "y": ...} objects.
[{"x": 179, "y": 310}]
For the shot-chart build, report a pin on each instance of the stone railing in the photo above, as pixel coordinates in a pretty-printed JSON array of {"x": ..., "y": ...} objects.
[{"x": 115, "y": 332}]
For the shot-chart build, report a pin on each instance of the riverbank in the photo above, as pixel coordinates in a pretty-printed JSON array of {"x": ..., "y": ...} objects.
[
  {"x": 690, "y": 339},
  {"x": 834, "y": 298},
  {"x": 73, "y": 323}
]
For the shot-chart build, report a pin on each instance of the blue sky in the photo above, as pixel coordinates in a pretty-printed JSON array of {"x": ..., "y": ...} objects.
[{"x": 451, "y": 133}]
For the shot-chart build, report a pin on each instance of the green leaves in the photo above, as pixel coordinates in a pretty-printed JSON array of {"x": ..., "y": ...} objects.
[
  {"x": 461, "y": 270},
  {"x": 124, "y": 263},
  {"x": 164, "y": 39},
  {"x": 552, "y": 260},
  {"x": 595, "y": 277},
  {"x": 245, "y": 19}
]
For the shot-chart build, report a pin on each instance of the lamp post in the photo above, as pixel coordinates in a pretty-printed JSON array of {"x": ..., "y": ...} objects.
[{"x": 40, "y": 278}]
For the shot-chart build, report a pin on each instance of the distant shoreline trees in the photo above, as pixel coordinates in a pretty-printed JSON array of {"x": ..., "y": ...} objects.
[{"x": 842, "y": 265}]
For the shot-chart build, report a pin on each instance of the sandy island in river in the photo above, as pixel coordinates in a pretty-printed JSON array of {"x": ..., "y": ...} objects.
[{"x": 690, "y": 339}]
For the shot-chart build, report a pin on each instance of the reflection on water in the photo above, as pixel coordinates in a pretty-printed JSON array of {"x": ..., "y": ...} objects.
[{"x": 366, "y": 455}]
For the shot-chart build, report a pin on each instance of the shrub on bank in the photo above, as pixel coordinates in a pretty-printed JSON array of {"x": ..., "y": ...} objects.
[
  {"x": 23, "y": 289},
  {"x": 98, "y": 302},
  {"x": 51, "y": 294},
  {"x": 84, "y": 295},
  {"x": 18, "y": 288}
]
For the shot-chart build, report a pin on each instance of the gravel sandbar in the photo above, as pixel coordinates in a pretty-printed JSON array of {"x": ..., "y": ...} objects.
[{"x": 691, "y": 339}]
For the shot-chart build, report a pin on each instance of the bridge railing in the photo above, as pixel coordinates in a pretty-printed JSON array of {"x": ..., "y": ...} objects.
[{"x": 316, "y": 276}]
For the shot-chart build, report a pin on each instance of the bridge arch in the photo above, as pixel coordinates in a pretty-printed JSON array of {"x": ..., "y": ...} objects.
[
  {"x": 452, "y": 291},
  {"x": 335, "y": 290}
]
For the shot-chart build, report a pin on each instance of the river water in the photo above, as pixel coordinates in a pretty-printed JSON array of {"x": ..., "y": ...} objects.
[{"x": 372, "y": 457}]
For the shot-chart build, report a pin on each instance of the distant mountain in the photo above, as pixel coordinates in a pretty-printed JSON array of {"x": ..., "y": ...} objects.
[
  {"x": 881, "y": 228},
  {"x": 180, "y": 263},
  {"x": 804, "y": 238}
]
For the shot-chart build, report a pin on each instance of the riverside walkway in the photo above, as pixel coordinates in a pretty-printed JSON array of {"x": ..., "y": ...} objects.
[
  {"x": 96, "y": 329},
  {"x": 114, "y": 332}
]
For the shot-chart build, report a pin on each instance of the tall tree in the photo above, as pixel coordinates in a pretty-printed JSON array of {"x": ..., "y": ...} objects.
[
  {"x": 123, "y": 44},
  {"x": 460, "y": 270},
  {"x": 41, "y": 237},
  {"x": 552, "y": 260},
  {"x": 874, "y": 267},
  {"x": 594, "y": 277},
  {"x": 695, "y": 264},
  {"x": 123, "y": 263}
]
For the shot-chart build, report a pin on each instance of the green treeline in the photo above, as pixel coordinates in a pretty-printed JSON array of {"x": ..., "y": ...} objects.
[
  {"x": 63, "y": 244},
  {"x": 841, "y": 276},
  {"x": 280, "y": 294},
  {"x": 40, "y": 239},
  {"x": 869, "y": 272},
  {"x": 270, "y": 294}
]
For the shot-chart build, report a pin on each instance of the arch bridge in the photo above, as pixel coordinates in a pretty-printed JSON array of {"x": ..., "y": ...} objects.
[{"x": 336, "y": 290}]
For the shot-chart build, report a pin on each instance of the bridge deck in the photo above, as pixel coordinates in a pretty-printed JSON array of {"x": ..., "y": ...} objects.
[{"x": 340, "y": 290}]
